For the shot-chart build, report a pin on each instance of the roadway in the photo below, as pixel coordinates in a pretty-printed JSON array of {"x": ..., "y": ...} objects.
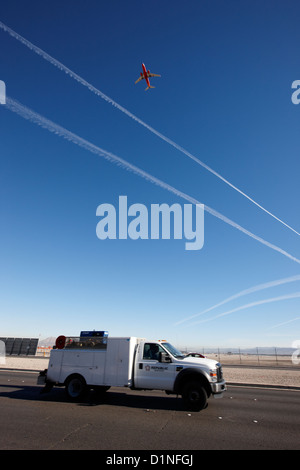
[{"x": 245, "y": 418}]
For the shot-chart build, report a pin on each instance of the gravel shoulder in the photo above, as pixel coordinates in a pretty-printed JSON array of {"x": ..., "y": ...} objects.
[{"x": 262, "y": 376}]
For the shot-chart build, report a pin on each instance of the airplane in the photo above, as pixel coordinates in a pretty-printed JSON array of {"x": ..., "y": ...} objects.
[{"x": 145, "y": 75}]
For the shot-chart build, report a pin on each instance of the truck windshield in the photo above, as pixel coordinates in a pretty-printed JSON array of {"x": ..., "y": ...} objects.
[{"x": 171, "y": 349}]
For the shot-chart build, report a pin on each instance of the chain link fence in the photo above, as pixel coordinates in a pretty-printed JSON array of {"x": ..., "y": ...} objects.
[{"x": 274, "y": 357}]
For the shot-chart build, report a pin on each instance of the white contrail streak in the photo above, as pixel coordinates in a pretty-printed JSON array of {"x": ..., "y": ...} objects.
[
  {"x": 252, "y": 304},
  {"x": 32, "y": 116},
  {"x": 284, "y": 323},
  {"x": 99, "y": 93},
  {"x": 251, "y": 290}
]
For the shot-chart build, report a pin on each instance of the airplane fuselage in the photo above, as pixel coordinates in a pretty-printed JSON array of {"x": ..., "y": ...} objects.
[{"x": 145, "y": 75}]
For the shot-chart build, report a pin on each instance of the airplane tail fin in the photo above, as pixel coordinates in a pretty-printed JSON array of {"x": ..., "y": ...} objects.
[{"x": 149, "y": 87}]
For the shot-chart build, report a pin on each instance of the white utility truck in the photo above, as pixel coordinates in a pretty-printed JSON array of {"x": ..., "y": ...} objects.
[{"x": 95, "y": 361}]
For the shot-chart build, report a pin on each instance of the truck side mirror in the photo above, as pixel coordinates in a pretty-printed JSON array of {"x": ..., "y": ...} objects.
[{"x": 164, "y": 357}]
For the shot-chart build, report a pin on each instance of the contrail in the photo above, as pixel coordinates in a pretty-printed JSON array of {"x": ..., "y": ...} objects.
[
  {"x": 252, "y": 304},
  {"x": 284, "y": 323},
  {"x": 32, "y": 116},
  {"x": 99, "y": 93},
  {"x": 251, "y": 290}
]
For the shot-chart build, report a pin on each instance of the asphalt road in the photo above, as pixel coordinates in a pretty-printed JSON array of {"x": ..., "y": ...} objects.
[{"x": 245, "y": 418}]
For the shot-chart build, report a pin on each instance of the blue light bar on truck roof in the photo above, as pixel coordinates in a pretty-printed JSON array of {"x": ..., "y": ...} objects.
[{"x": 89, "y": 334}]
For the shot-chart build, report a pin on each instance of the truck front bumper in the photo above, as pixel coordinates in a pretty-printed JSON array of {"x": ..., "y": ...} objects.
[{"x": 218, "y": 387}]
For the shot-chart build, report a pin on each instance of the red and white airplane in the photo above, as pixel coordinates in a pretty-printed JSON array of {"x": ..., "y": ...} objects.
[{"x": 145, "y": 75}]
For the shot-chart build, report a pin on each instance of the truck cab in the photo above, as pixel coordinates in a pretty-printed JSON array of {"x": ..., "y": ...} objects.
[{"x": 161, "y": 366}]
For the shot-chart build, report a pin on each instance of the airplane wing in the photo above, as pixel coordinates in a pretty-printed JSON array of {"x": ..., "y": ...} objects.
[
  {"x": 153, "y": 75},
  {"x": 140, "y": 78}
]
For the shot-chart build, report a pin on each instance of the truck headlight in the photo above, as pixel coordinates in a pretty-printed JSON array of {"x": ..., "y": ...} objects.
[{"x": 213, "y": 375}]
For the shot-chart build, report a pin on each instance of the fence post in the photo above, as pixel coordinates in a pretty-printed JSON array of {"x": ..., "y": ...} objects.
[{"x": 276, "y": 356}]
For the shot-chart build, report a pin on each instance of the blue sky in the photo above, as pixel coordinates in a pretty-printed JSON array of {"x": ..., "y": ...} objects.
[{"x": 225, "y": 96}]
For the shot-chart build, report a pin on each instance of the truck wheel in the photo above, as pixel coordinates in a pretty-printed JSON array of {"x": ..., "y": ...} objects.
[
  {"x": 76, "y": 387},
  {"x": 194, "y": 396}
]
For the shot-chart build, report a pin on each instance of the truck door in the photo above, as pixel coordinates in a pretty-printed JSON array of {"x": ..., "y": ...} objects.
[{"x": 149, "y": 372}]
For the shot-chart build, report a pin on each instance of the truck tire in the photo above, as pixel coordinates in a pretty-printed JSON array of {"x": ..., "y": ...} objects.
[
  {"x": 194, "y": 396},
  {"x": 76, "y": 388}
]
